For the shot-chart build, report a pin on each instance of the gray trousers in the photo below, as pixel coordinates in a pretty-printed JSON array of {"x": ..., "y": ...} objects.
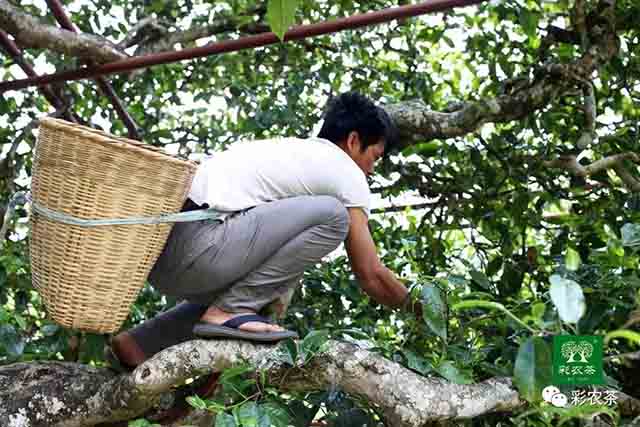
[{"x": 241, "y": 264}]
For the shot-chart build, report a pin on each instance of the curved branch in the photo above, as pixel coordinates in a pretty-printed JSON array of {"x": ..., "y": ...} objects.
[
  {"x": 30, "y": 32},
  {"x": 615, "y": 162},
  {"x": 56, "y": 394},
  {"x": 417, "y": 123},
  {"x": 72, "y": 395},
  {"x": 405, "y": 398}
]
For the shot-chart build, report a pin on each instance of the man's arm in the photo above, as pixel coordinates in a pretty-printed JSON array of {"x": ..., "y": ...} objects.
[{"x": 375, "y": 279}]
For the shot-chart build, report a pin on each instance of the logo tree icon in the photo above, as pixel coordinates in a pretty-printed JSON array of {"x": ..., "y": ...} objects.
[
  {"x": 585, "y": 350},
  {"x": 572, "y": 348},
  {"x": 569, "y": 350}
]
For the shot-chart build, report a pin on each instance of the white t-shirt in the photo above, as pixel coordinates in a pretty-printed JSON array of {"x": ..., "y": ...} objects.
[{"x": 256, "y": 172}]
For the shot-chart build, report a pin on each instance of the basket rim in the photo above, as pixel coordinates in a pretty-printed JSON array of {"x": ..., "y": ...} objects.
[{"x": 102, "y": 137}]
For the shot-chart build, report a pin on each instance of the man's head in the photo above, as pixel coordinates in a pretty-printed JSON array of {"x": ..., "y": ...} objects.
[{"x": 365, "y": 132}]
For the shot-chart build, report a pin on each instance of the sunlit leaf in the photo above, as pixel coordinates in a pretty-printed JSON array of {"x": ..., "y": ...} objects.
[
  {"x": 568, "y": 298},
  {"x": 572, "y": 259},
  {"x": 281, "y": 15}
]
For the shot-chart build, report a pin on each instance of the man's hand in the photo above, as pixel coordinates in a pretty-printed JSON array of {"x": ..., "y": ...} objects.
[{"x": 375, "y": 279}]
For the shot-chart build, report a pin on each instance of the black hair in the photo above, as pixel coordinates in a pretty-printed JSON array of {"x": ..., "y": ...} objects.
[{"x": 352, "y": 111}]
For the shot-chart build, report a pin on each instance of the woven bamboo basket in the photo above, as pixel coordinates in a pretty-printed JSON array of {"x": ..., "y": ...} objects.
[{"x": 88, "y": 277}]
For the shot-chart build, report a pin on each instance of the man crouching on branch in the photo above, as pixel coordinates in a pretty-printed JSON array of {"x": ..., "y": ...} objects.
[{"x": 285, "y": 203}]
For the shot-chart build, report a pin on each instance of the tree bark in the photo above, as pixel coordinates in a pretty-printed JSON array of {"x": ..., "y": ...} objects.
[
  {"x": 30, "y": 32},
  {"x": 57, "y": 394},
  {"x": 417, "y": 123}
]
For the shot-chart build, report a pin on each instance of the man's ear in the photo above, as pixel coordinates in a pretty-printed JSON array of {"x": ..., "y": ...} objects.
[{"x": 353, "y": 142}]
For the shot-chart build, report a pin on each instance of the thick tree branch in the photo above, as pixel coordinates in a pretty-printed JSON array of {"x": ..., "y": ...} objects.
[
  {"x": 30, "y": 32},
  {"x": 57, "y": 394},
  {"x": 405, "y": 398},
  {"x": 10, "y": 48},
  {"x": 417, "y": 123},
  {"x": 415, "y": 120},
  {"x": 75, "y": 395}
]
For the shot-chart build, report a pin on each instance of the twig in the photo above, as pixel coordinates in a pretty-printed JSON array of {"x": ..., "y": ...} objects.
[
  {"x": 12, "y": 50},
  {"x": 103, "y": 84},
  {"x": 135, "y": 33},
  {"x": 615, "y": 162}
]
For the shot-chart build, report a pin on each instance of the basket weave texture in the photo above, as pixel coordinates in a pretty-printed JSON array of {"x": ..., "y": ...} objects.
[{"x": 88, "y": 277}]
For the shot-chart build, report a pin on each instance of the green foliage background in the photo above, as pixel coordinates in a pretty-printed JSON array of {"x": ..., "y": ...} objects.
[{"x": 497, "y": 224}]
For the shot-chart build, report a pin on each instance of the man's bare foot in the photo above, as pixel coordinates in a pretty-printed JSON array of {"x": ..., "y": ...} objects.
[
  {"x": 217, "y": 316},
  {"x": 127, "y": 350}
]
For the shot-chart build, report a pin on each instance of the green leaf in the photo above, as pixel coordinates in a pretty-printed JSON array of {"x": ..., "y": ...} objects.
[
  {"x": 290, "y": 351},
  {"x": 92, "y": 347},
  {"x": 417, "y": 363},
  {"x": 142, "y": 423},
  {"x": 225, "y": 420},
  {"x": 248, "y": 414},
  {"x": 20, "y": 321},
  {"x": 529, "y": 22},
  {"x": 313, "y": 343},
  {"x": 281, "y": 16},
  {"x": 537, "y": 310},
  {"x": 434, "y": 310},
  {"x": 234, "y": 372},
  {"x": 568, "y": 298},
  {"x": 196, "y": 402},
  {"x": 532, "y": 371},
  {"x": 451, "y": 372},
  {"x": 481, "y": 279},
  {"x": 494, "y": 265},
  {"x": 457, "y": 280},
  {"x": 572, "y": 259},
  {"x": 426, "y": 149},
  {"x": 467, "y": 304},
  {"x": 511, "y": 281},
  {"x": 278, "y": 416}
]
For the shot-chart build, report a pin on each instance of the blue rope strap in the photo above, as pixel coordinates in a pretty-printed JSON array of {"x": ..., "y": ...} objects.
[
  {"x": 196, "y": 215},
  {"x": 23, "y": 198}
]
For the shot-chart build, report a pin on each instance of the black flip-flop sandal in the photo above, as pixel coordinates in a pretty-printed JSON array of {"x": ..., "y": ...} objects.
[{"x": 229, "y": 329}]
